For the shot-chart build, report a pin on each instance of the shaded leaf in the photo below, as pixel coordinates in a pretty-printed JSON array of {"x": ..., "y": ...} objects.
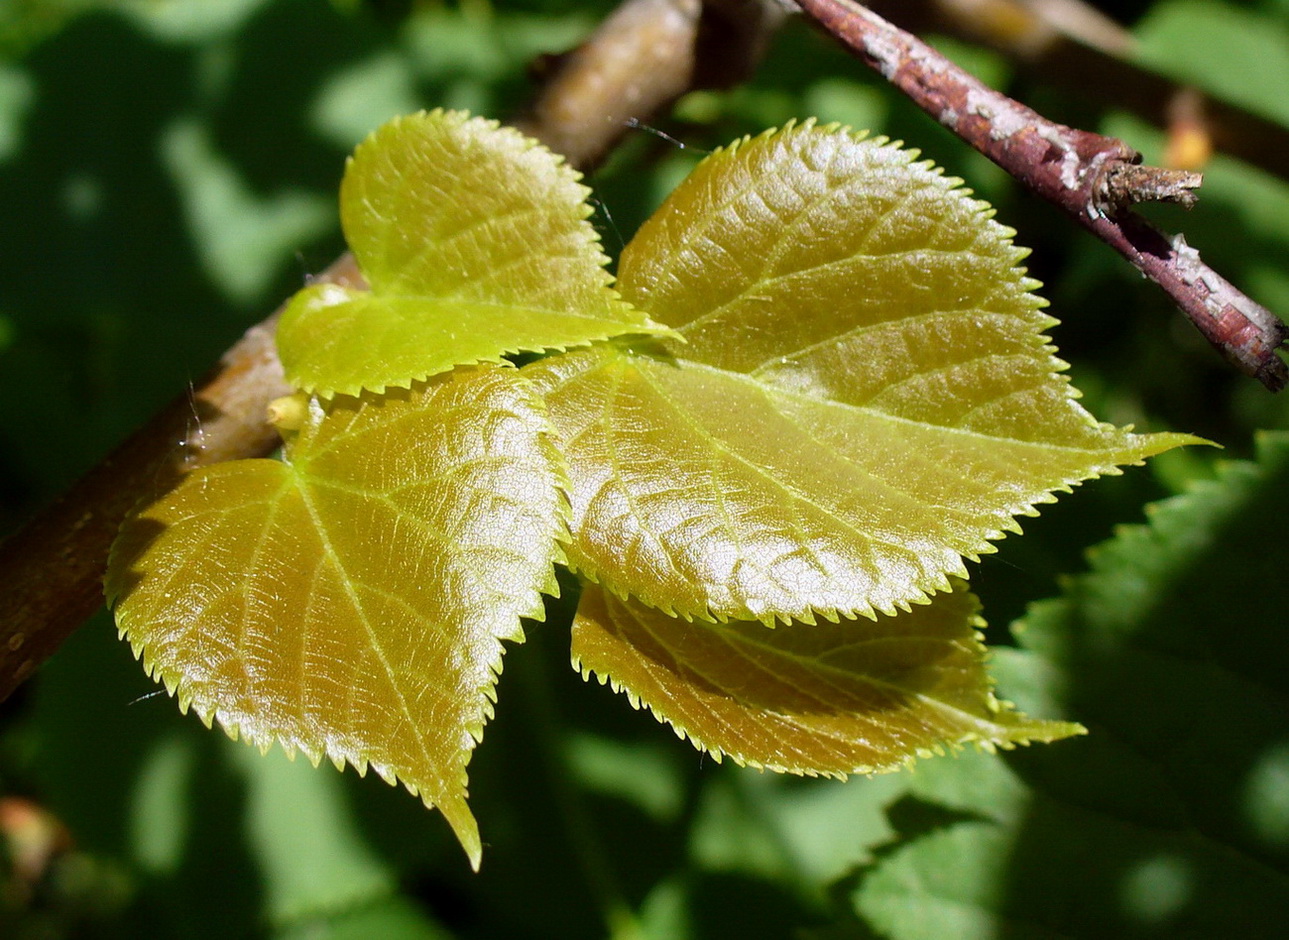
[
  {"x": 350, "y": 602},
  {"x": 475, "y": 243},
  {"x": 1241, "y": 55},
  {"x": 808, "y": 831},
  {"x": 856, "y": 696},
  {"x": 1169, "y": 818},
  {"x": 1172, "y": 643},
  {"x": 864, "y": 396}
]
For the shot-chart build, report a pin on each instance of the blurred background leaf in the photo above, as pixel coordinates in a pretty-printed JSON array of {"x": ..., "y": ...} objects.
[
  {"x": 1171, "y": 817},
  {"x": 168, "y": 171}
]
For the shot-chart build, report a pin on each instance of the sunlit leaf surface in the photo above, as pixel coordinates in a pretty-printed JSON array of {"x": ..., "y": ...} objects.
[
  {"x": 865, "y": 395},
  {"x": 856, "y": 696},
  {"x": 350, "y": 602},
  {"x": 475, "y": 242}
]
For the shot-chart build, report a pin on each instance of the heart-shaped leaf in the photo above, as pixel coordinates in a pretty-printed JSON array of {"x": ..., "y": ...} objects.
[
  {"x": 475, "y": 243},
  {"x": 351, "y": 601},
  {"x": 865, "y": 395},
  {"x": 857, "y": 696}
]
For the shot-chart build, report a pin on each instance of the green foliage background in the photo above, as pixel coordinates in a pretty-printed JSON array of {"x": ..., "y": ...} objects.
[{"x": 167, "y": 175}]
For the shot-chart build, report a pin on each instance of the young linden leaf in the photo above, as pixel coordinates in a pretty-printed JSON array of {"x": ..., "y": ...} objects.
[
  {"x": 475, "y": 243},
  {"x": 864, "y": 396},
  {"x": 856, "y": 696},
  {"x": 350, "y": 602}
]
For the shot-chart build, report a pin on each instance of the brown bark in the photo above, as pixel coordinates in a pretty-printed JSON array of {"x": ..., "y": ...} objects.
[
  {"x": 51, "y": 570},
  {"x": 1068, "y": 45}
]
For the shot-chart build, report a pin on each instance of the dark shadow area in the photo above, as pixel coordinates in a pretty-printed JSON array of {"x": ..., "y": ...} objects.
[
  {"x": 1033, "y": 564},
  {"x": 1155, "y": 824},
  {"x": 112, "y": 308},
  {"x": 280, "y": 59},
  {"x": 729, "y": 905},
  {"x": 99, "y": 726},
  {"x": 531, "y": 806},
  {"x": 107, "y": 300}
]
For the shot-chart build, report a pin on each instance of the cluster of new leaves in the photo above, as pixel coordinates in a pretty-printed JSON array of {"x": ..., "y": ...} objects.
[{"x": 818, "y": 385}]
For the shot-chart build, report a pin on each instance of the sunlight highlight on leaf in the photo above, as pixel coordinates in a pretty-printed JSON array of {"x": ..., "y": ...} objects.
[
  {"x": 864, "y": 397},
  {"x": 475, "y": 243},
  {"x": 858, "y": 696},
  {"x": 351, "y": 601}
]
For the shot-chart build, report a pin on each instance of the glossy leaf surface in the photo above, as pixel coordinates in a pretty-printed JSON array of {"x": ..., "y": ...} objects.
[
  {"x": 475, "y": 243},
  {"x": 865, "y": 395},
  {"x": 857, "y": 696},
  {"x": 351, "y": 601}
]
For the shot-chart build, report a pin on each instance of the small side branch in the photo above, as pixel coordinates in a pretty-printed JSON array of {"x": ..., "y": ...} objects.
[{"x": 1093, "y": 178}]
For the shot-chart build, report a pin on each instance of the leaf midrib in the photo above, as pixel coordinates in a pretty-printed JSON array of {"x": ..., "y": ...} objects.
[
  {"x": 331, "y": 552},
  {"x": 895, "y": 419},
  {"x": 986, "y": 728}
]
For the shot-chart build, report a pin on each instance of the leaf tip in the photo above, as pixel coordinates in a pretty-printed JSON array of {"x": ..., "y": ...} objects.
[{"x": 464, "y": 827}]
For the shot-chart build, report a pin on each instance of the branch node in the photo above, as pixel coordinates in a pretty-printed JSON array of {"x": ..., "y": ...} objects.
[{"x": 1126, "y": 184}]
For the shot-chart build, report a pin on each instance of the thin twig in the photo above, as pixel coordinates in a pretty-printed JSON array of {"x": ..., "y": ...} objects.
[
  {"x": 640, "y": 58},
  {"x": 1081, "y": 172},
  {"x": 51, "y": 570},
  {"x": 1067, "y": 44}
]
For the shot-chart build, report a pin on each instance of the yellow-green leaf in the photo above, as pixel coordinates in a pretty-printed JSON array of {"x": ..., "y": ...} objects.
[
  {"x": 351, "y": 601},
  {"x": 864, "y": 398},
  {"x": 857, "y": 696},
  {"x": 475, "y": 243}
]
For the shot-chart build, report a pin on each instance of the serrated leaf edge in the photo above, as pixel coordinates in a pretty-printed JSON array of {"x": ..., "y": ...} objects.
[
  {"x": 1056, "y": 370},
  {"x": 354, "y": 391},
  {"x": 1051, "y": 730},
  {"x": 588, "y": 236},
  {"x": 461, "y": 820},
  {"x": 459, "y": 118},
  {"x": 1137, "y": 449}
]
